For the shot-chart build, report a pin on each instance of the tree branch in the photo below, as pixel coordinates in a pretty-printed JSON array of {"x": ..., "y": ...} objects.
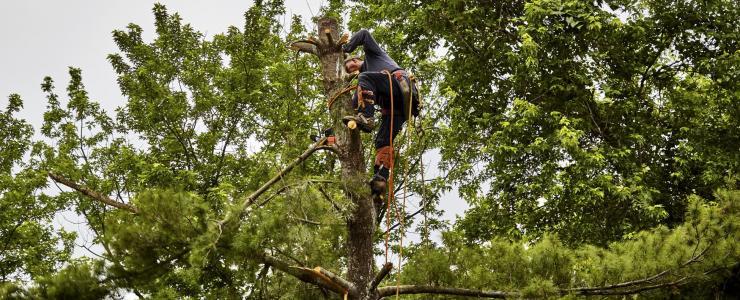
[
  {"x": 381, "y": 275},
  {"x": 607, "y": 292},
  {"x": 253, "y": 197},
  {"x": 341, "y": 282},
  {"x": 318, "y": 276},
  {"x": 650, "y": 279},
  {"x": 438, "y": 290},
  {"x": 92, "y": 194}
]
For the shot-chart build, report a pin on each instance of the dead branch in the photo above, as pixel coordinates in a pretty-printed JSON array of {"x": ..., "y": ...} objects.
[{"x": 92, "y": 194}]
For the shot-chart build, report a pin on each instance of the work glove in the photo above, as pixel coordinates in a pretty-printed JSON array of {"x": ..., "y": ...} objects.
[{"x": 344, "y": 39}]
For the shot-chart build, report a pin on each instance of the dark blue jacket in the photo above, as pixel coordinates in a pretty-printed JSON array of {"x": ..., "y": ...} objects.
[{"x": 376, "y": 59}]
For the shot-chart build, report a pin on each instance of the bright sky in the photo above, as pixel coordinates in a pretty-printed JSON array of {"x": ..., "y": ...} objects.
[{"x": 40, "y": 38}]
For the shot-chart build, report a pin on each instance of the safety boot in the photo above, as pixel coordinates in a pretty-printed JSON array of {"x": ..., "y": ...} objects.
[{"x": 378, "y": 185}]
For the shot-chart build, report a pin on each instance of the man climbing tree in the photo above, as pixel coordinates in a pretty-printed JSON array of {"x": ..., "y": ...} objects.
[{"x": 381, "y": 81}]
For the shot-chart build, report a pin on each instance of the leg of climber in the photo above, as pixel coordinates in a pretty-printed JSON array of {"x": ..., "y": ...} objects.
[
  {"x": 384, "y": 152},
  {"x": 374, "y": 86}
]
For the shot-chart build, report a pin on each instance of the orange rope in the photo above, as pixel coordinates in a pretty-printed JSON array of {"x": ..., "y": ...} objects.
[
  {"x": 402, "y": 214},
  {"x": 390, "y": 172}
]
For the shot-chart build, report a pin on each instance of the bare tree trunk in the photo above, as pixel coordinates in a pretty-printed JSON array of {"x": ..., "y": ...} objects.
[{"x": 361, "y": 223}]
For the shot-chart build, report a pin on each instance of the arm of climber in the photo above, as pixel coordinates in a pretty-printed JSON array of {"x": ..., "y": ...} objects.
[{"x": 365, "y": 39}]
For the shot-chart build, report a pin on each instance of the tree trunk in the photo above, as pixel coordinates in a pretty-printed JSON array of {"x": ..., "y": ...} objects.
[{"x": 361, "y": 223}]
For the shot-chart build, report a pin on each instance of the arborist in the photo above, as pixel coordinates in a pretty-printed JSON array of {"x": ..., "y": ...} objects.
[{"x": 374, "y": 88}]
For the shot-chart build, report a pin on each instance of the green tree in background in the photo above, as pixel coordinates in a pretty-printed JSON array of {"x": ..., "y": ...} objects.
[
  {"x": 592, "y": 120},
  {"x": 30, "y": 247},
  {"x": 596, "y": 143}
]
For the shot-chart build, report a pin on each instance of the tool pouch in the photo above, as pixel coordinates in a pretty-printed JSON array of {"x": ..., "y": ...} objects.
[{"x": 410, "y": 94}]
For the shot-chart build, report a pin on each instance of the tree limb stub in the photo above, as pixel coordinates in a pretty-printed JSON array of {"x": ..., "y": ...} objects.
[
  {"x": 329, "y": 38},
  {"x": 381, "y": 275},
  {"x": 429, "y": 289},
  {"x": 92, "y": 194},
  {"x": 345, "y": 285},
  {"x": 306, "y": 46}
]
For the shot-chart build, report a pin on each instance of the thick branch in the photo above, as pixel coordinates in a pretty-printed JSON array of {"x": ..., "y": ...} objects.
[
  {"x": 92, "y": 194},
  {"x": 303, "y": 274},
  {"x": 428, "y": 289},
  {"x": 333, "y": 278},
  {"x": 381, "y": 275}
]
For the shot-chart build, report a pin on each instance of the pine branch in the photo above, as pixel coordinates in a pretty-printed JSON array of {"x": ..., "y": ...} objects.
[
  {"x": 92, "y": 194},
  {"x": 625, "y": 288},
  {"x": 650, "y": 279},
  {"x": 609, "y": 292}
]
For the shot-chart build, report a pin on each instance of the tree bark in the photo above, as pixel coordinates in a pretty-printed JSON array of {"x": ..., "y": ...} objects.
[{"x": 361, "y": 222}]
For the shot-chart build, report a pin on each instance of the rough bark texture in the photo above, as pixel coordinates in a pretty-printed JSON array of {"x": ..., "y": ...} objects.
[{"x": 361, "y": 224}]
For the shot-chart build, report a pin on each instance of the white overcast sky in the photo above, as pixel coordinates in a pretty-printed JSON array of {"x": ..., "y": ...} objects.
[
  {"x": 43, "y": 38},
  {"x": 40, "y": 38}
]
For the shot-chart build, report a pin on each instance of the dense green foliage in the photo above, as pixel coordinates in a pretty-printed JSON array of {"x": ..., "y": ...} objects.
[
  {"x": 591, "y": 120},
  {"x": 29, "y": 246},
  {"x": 596, "y": 143}
]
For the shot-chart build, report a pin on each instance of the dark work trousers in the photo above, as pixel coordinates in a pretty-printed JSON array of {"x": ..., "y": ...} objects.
[{"x": 377, "y": 82}]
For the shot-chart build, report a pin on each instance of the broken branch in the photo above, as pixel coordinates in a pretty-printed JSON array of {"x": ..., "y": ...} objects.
[
  {"x": 303, "y": 274},
  {"x": 334, "y": 279},
  {"x": 381, "y": 275}
]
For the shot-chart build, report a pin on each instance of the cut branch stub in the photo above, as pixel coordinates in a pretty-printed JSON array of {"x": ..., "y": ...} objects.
[
  {"x": 306, "y": 46},
  {"x": 381, "y": 275}
]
